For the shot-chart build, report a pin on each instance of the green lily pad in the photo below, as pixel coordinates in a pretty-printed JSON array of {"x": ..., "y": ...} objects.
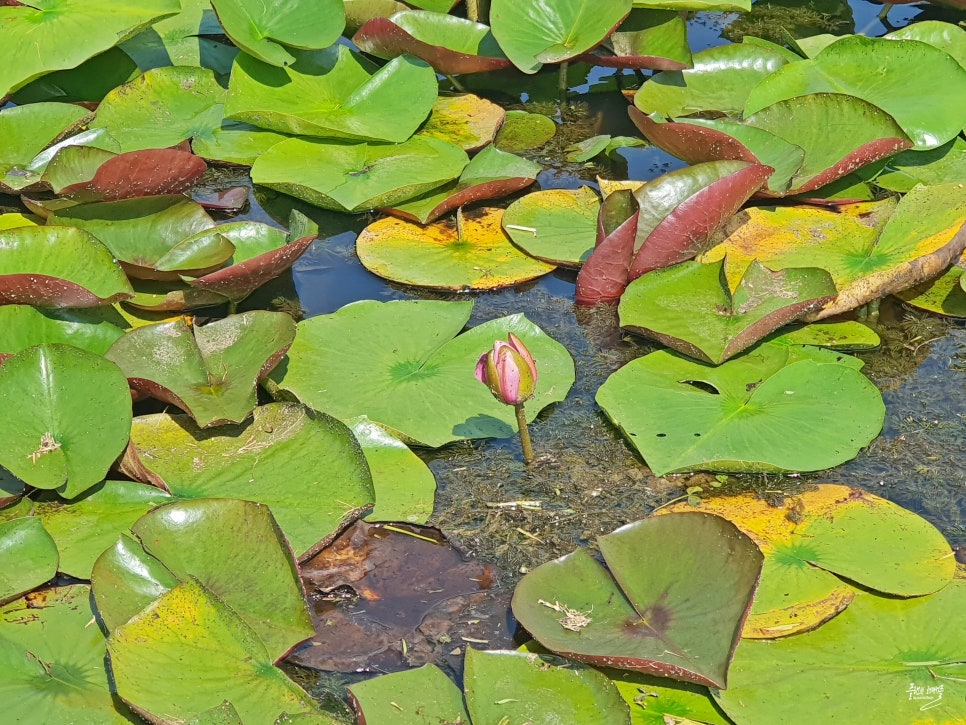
[
  {"x": 28, "y": 556},
  {"x": 490, "y": 174},
  {"x": 358, "y": 177},
  {"x": 452, "y": 45},
  {"x": 28, "y": 130},
  {"x": 945, "y": 36},
  {"x": 54, "y": 661},
  {"x": 516, "y": 687},
  {"x": 689, "y": 307},
  {"x": 422, "y": 696},
  {"x": 333, "y": 93},
  {"x": 470, "y": 252},
  {"x": 710, "y": 5},
  {"x": 655, "y": 39},
  {"x": 22, "y": 326},
  {"x": 73, "y": 417},
  {"x": 523, "y": 130},
  {"x": 680, "y": 616},
  {"x": 845, "y": 336},
  {"x": 941, "y": 165},
  {"x": 558, "y": 226},
  {"x": 263, "y": 31},
  {"x": 870, "y": 249},
  {"x": 236, "y": 143},
  {"x": 162, "y": 108},
  {"x": 88, "y": 82},
  {"x": 720, "y": 80},
  {"x": 532, "y": 34},
  {"x": 58, "y": 267},
  {"x": 881, "y": 660},
  {"x": 233, "y": 548},
  {"x": 262, "y": 253},
  {"x": 156, "y": 668},
  {"x": 762, "y": 411},
  {"x": 884, "y": 73},
  {"x": 85, "y": 527},
  {"x": 405, "y": 486},
  {"x": 184, "y": 39},
  {"x": 50, "y": 35},
  {"x": 410, "y": 371},
  {"x": 303, "y": 464},
  {"x": 208, "y": 371},
  {"x": 154, "y": 237}
]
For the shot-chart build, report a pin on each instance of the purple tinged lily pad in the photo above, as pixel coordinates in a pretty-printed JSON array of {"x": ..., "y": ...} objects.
[
  {"x": 604, "y": 275},
  {"x": 672, "y": 600}
]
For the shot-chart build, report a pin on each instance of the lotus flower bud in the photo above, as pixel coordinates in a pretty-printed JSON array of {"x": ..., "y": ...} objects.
[{"x": 509, "y": 371}]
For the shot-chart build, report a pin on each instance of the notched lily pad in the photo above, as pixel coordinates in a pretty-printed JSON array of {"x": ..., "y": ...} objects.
[
  {"x": 766, "y": 410},
  {"x": 210, "y": 371},
  {"x": 28, "y": 556},
  {"x": 416, "y": 377},
  {"x": 678, "y": 615}
]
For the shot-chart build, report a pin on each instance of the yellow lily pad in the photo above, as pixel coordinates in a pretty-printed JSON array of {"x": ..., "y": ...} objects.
[
  {"x": 468, "y": 252},
  {"x": 821, "y": 535},
  {"x": 870, "y": 249},
  {"x": 467, "y": 121}
]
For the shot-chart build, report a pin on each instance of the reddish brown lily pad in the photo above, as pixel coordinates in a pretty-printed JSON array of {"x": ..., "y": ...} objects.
[
  {"x": 394, "y": 596},
  {"x": 384, "y": 38},
  {"x": 604, "y": 276},
  {"x": 124, "y": 176}
]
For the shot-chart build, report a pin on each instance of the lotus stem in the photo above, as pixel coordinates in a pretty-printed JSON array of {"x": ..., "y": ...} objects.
[
  {"x": 562, "y": 87},
  {"x": 456, "y": 84},
  {"x": 524, "y": 434}
]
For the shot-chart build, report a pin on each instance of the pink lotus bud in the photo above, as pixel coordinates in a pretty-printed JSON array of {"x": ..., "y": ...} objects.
[{"x": 509, "y": 371}]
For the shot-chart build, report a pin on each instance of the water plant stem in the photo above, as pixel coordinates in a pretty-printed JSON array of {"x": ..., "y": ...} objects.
[{"x": 524, "y": 434}]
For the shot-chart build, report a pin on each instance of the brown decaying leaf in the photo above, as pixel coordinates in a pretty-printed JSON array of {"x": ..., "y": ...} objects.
[{"x": 392, "y": 597}]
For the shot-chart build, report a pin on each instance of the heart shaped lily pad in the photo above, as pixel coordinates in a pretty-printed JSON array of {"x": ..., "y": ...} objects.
[
  {"x": 689, "y": 307},
  {"x": 73, "y": 417},
  {"x": 333, "y": 93},
  {"x": 821, "y": 535},
  {"x": 303, "y": 464},
  {"x": 470, "y": 252},
  {"x": 210, "y": 371},
  {"x": 411, "y": 372},
  {"x": 678, "y": 615},
  {"x": 766, "y": 410}
]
